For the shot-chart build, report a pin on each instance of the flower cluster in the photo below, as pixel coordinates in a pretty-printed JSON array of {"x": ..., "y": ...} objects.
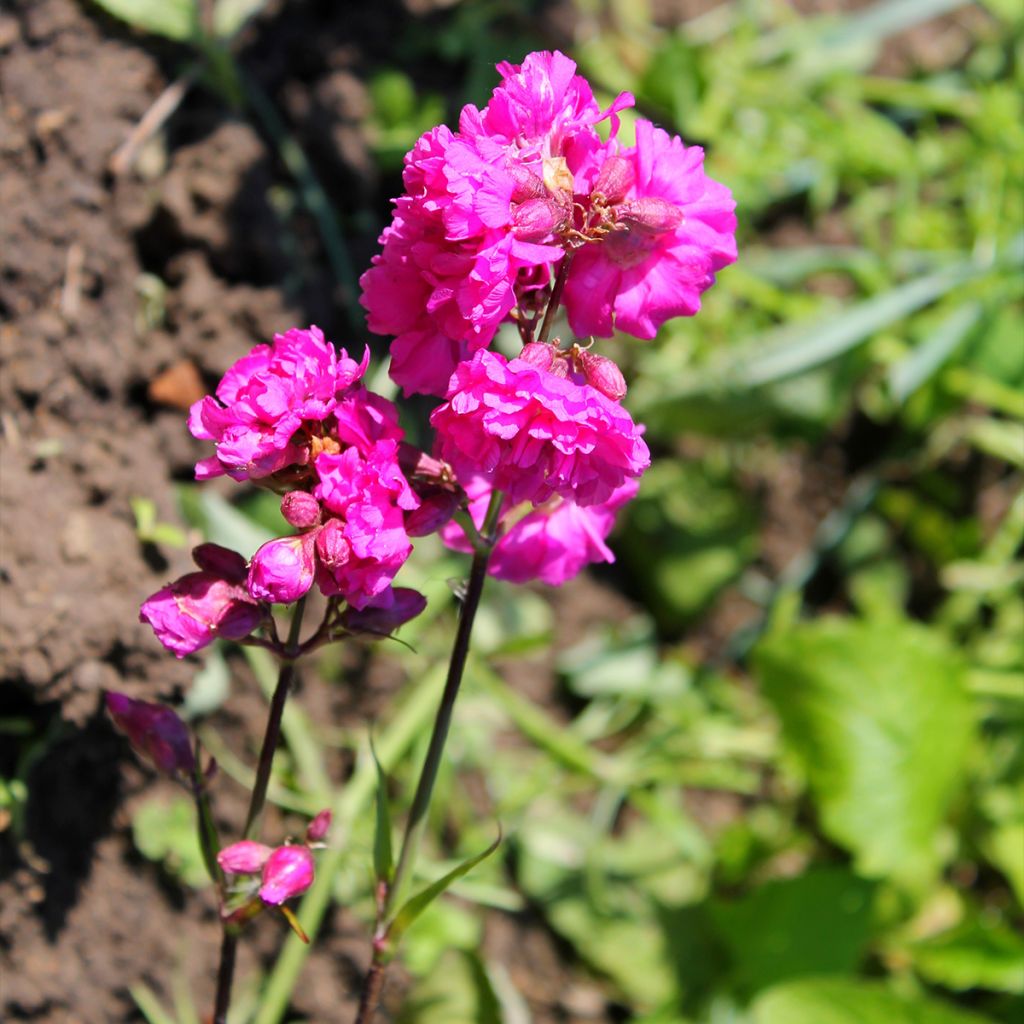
[
  {"x": 523, "y": 209},
  {"x": 526, "y": 192},
  {"x": 294, "y": 416},
  {"x": 272, "y": 875}
]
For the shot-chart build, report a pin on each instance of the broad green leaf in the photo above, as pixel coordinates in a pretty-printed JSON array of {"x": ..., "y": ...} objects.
[
  {"x": 879, "y": 716},
  {"x": 978, "y": 954},
  {"x": 229, "y": 16},
  {"x": 165, "y": 832},
  {"x": 816, "y": 923},
  {"x": 418, "y": 903},
  {"x": 844, "y": 1001},
  {"x": 1003, "y": 848},
  {"x": 173, "y": 19}
]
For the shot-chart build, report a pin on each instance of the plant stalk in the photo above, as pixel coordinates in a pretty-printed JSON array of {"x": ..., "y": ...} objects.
[
  {"x": 271, "y": 736},
  {"x": 417, "y": 821}
]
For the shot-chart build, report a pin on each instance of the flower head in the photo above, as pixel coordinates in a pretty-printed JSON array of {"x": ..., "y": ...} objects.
[
  {"x": 536, "y": 435},
  {"x": 264, "y": 400},
  {"x": 672, "y": 228},
  {"x": 194, "y": 610},
  {"x": 287, "y": 872}
]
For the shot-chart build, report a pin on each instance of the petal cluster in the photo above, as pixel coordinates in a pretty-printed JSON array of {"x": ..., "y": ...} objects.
[
  {"x": 266, "y": 399},
  {"x": 536, "y": 435}
]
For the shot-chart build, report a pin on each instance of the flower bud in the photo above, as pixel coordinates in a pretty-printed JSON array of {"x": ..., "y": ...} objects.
[
  {"x": 527, "y": 184},
  {"x": 603, "y": 374},
  {"x": 319, "y": 827},
  {"x": 223, "y": 562},
  {"x": 393, "y": 608},
  {"x": 332, "y": 546},
  {"x": 436, "y": 508},
  {"x": 288, "y": 872},
  {"x": 538, "y": 354},
  {"x": 536, "y": 218},
  {"x": 300, "y": 509},
  {"x": 650, "y": 214},
  {"x": 614, "y": 179},
  {"x": 282, "y": 569},
  {"x": 191, "y": 612},
  {"x": 155, "y": 732},
  {"x": 244, "y": 858}
]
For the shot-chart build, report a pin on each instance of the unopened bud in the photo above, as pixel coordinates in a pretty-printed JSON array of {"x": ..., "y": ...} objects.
[
  {"x": 282, "y": 569},
  {"x": 538, "y": 354},
  {"x": 527, "y": 184},
  {"x": 244, "y": 858},
  {"x": 614, "y": 180},
  {"x": 288, "y": 872},
  {"x": 332, "y": 546},
  {"x": 318, "y": 827},
  {"x": 436, "y": 508},
  {"x": 536, "y": 218},
  {"x": 650, "y": 214},
  {"x": 604, "y": 375},
  {"x": 223, "y": 562},
  {"x": 393, "y": 608},
  {"x": 155, "y": 732},
  {"x": 300, "y": 509}
]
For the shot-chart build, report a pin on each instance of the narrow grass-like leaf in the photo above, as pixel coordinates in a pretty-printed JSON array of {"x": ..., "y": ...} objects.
[
  {"x": 906, "y": 376},
  {"x": 149, "y": 1005},
  {"x": 418, "y": 903},
  {"x": 383, "y": 859}
]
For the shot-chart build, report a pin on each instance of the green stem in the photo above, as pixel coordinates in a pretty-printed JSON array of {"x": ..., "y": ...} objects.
[{"x": 271, "y": 737}]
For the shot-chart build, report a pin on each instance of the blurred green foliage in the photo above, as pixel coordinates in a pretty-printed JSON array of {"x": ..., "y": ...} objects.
[{"x": 788, "y": 786}]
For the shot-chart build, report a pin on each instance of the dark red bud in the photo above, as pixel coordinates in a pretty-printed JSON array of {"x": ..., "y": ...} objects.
[
  {"x": 615, "y": 179},
  {"x": 383, "y": 618},
  {"x": 650, "y": 214},
  {"x": 223, "y": 562},
  {"x": 436, "y": 508}
]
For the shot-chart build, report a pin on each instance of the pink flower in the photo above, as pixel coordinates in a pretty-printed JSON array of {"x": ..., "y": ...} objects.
[
  {"x": 191, "y": 612},
  {"x": 244, "y": 858},
  {"x": 484, "y": 211},
  {"x": 552, "y": 543},
  {"x": 282, "y": 570},
  {"x": 155, "y": 732},
  {"x": 264, "y": 400},
  {"x": 674, "y": 228},
  {"x": 535, "y": 434},
  {"x": 288, "y": 872},
  {"x": 363, "y": 546}
]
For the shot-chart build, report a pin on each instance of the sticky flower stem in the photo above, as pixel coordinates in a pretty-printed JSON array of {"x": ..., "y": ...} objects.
[
  {"x": 556, "y": 296},
  {"x": 417, "y": 820},
  {"x": 271, "y": 736}
]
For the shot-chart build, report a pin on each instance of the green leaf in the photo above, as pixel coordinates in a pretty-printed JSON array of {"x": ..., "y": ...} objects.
[
  {"x": 816, "y": 923},
  {"x": 879, "y": 716},
  {"x": 383, "y": 861},
  {"x": 165, "y": 832},
  {"x": 842, "y": 1001},
  {"x": 172, "y": 19},
  {"x": 979, "y": 953},
  {"x": 418, "y": 903},
  {"x": 229, "y": 16}
]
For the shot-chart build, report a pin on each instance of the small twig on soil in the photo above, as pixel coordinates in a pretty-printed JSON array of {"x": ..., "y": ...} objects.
[
  {"x": 71, "y": 293},
  {"x": 153, "y": 119}
]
